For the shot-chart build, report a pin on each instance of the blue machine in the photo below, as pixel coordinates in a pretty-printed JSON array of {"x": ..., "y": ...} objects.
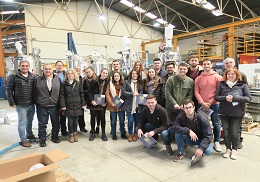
[{"x": 2, "y": 88}]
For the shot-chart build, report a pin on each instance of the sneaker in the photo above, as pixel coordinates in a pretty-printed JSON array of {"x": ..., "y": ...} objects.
[
  {"x": 217, "y": 147},
  {"x": 65, "y": 133},
  {"x": 114, "y": 137},
  {"x": 234, "y": 154},
  {"x": 240, "y": 145},
  {"x": 42, "y": 143},
  {"x": 123, "y": 136},
  {"x": 227, "y": 153},
  {"x": 92, "y": 136},
  {"x": 32, "y": 137},
  {"x": 55, "y": 140},
  {"x": 83, "y": 130},
  {"x": 25, "y": 143},
  {"x": 104, "y": 137},
  {"x": 178, "y": 158}
]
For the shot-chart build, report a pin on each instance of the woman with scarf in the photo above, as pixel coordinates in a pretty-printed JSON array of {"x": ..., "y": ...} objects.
[
  {"x": 96, "y": 85},
  {"x": 113, "y": 90},
  {"x": 130, "y": 90},
  {"x": 232, "y": 93},
  {"x": 155, "y": 85},
  {"x": 72, "y": 102}
]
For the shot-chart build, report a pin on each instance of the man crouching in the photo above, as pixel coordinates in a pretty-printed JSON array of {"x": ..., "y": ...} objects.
[{"x": 193, "y": 129}]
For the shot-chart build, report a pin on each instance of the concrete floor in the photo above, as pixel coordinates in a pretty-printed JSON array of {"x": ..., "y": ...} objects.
[{"x": 123, "y": 161}]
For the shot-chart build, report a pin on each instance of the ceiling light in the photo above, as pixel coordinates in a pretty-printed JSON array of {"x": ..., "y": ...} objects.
[
  {"x": 136, "y": 8},
  {"x": 202, "y": 2},
  {"x": 150, "y": 15},
  {"x": 209, "y": 6},
  {"x": 217, "y": 12},
  {"x": 9, "y": 12},
  {"x": 171, "y": 26},
  {"x": 161, "y": 21},
  {"x": 8, "y": 0},
  {"x": 101, "y": 17},
  {"x": 127, "y": 3},
  {"x": 64, "y": 7},
  {"x": 156, "y": 24}
]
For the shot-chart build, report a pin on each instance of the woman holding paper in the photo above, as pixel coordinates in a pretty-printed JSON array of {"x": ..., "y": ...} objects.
[
  {"x": 232, "y": 93},
  {"x": 155, "y": 85},
  {"x": 114, "y": 104},
  {"x": 130, "y": 90},
  {"x": 96, "y": 86}
]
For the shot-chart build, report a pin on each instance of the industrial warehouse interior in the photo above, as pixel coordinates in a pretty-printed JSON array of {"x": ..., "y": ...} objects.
[{"x": 93, "y": 34}]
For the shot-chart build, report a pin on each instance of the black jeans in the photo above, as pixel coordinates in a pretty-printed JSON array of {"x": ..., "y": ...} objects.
[
  {"x": 72, "y": 124},
  {"x": 43, "y": 114},
  {"x": 81, "y": 121},
  {"x": 231, "y": 130},
  {"x": 63, "y": 126},
  {"x": 100, "y": 114}
]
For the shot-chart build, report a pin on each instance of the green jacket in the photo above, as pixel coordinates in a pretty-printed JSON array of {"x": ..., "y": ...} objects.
[{"x": 177, "y": 90}]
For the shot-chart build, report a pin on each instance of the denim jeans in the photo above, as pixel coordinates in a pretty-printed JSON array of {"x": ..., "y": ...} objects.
[
  {"x": 113, "y": 117},
  {"x": 43, "y": 114},
  {"x": 72, "y": 124},
  {"x": 231, "y": 129},
  {"x": 164, "y": 134},
  {"x": 133, "y": 120},
  {"x": 180, "y": 139},
  {"x": 215, "y": 122},
  {"x": 25, "y": 118}
]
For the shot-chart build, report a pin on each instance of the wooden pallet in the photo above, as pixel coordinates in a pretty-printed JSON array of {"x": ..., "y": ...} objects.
[
  {"x": 248, "y": 127},
  {"x": 61, "y": 176}
]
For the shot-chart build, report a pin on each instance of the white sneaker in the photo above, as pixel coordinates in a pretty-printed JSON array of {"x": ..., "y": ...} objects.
[
  {"x": 217, "y": 147},
  {"x": 234, "y": 154},
  {"x": 227, "y": 153}
]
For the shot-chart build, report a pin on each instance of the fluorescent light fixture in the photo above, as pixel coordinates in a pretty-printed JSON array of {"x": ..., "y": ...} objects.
[
  {"x": 9, "y": 12},
  {"x": 137, "y": 8},
  {"x": 171, "y": 26},
  {"x": 201, "y": 2},
  {"x": 150, "y": 15},
  {"x": 8, "y": 0},
  {"x": 156, "y": 24},
  {"x": 217, "y": 12},
  {"x": 127, "y": 3},
  {"x": 161, "y": 21},
  {"x": 209, "y": 6}
]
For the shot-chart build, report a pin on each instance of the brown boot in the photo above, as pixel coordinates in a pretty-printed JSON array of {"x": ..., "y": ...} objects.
[
  {"x": 75, "y": 137},
  {"x": 71, "y": 138},
  {"x": 25, "y": 143},
  {"x": 130, "y": 138},
  {"x": 169, "y": 150},
  {"x": 134, "y": 138}
]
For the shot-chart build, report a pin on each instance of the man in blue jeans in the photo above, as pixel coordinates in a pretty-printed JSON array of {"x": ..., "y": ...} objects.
[
  {"x": 153, "y": 120},
  {"x": 193, "y": 129},
  {"x": 20, "y": 92}
]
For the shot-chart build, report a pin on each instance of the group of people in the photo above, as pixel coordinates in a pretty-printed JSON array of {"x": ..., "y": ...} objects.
[{"x": 174, "y": 96}]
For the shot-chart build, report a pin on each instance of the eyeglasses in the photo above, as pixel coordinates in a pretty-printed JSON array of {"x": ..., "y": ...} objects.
[
  {"x": 188, "y": 108},
  {"x": 230, "y": 62}
]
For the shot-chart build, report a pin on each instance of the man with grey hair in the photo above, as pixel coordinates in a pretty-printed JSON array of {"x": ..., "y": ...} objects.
[
  {"x": 230, "y": 63},
  {"x": 47, "y": 94},
  {"x": 20, "y": 95}
]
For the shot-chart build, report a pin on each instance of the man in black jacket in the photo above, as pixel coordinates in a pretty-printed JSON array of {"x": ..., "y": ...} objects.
[
  {"x": 193, "y": 129},
  {"x": 47, "y": 92},
  {"x": 20, "y": 92},
  {"x": 153, "y": 120}
]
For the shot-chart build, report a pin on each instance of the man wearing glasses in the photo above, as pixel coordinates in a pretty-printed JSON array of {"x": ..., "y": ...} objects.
[{"x": 193, "y": 129}]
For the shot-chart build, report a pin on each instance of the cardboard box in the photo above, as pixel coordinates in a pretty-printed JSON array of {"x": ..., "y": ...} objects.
[{"x": 17, "y": 169}]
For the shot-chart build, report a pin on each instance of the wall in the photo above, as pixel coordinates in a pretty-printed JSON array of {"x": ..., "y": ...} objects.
[{"x": 47, "y": 27}]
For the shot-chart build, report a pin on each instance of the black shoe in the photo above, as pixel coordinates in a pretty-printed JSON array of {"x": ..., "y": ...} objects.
[
  {"x": 32, "y": 137},
  {"x": 92, "y": 136},
  {"x": 55, "y": 140},
  {"x": 104, "y": 137},
  {"x": 83, "y": 130},
  {"x": 114, "y": 137},
  {"x": 123, "y": 136},
  {"x": 97, "y": 130},
  {"x": 111, "y": 133},
  {"x": 65, "y": 133},
  {"x": 42, "y": 143}
]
